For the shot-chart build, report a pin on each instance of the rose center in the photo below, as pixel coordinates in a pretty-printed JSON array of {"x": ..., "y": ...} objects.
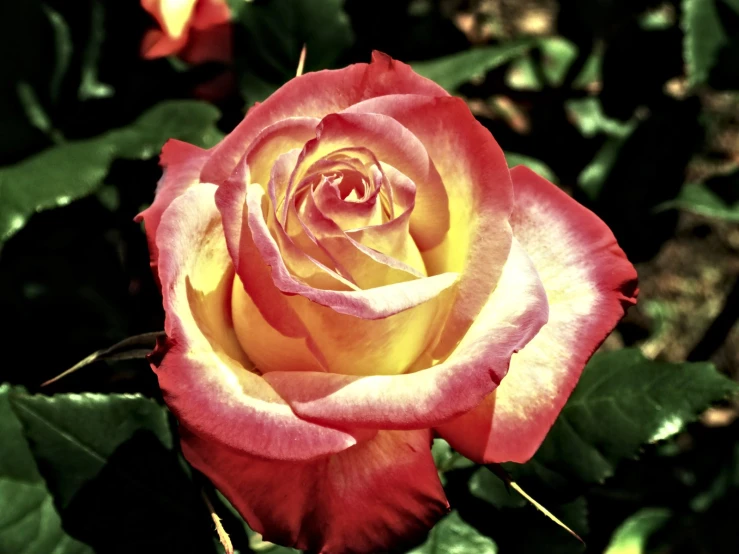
[{"x": 351, "y": 186}]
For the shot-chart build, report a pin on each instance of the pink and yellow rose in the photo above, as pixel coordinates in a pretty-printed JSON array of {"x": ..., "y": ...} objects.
[
  {"x": 196, "y": 30},
  {"x": 351, "y": 272}
]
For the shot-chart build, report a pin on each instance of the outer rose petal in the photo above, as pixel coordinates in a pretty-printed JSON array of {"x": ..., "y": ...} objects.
[
  {"x": 589, "y": 283},
  {"x": 318, "y": 94},
  {"x": 182, "y": 163},
  {"x": 204, "y": 375},
  {"x": 516, "y": 310},
  {"x": 379, "y": 495}
]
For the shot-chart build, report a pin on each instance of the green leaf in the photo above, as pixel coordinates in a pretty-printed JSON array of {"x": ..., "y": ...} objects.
[
  {"x": 453, "y": 534},
  {"x": 26, "y": 31},
  {"x": 724, "y": 483},
  {"x": 90, "y": 86},
  {"x": 62, "y": 49},
  {"x": 116, "y": 479},
  {"x": 452, "y": 71},
  {"x": 622, "y": 402},
  {"x": 74, "y": 435},
  {"x": 255, "y": 88},
  {"x": 72, "y": 170},
  {"x": 485, "y": 485},
  {"x": 538, "y": 166},
  {"x": 657, "y": 19},
  {"x": 594, "y": 175},
  {"x": 447, "y": 459},
  {"x": 258, "y": 545},
  {"x": 35, "y": 112},
  {"x": 557, "y": 55},
  {"x": 523, "y": 74},
  {"x": 699, "y": 198},
  {"x": 275, "y": 33},
  {"x": 29, "y": 523},
  {"x": 592, "y": 72},
  {"x": 705, "y": 36},
  {"x": 632, "y": 535},
  {"x": 588, "y": 116},
  {"x": 109, "y": 197},
  {"x": 284, "y": 26}
]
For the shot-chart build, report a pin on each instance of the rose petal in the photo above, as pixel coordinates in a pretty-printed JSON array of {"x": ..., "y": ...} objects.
[
  {"x": 392, "y": 144},
  {"x": 356, "y": 209},
  {"x": 393, "y": 237},
  {"x": 319, "y": 236},
  {"x": 211, "y": 44},
  {"x": 182, "y": 163},
  {"x": 209, "y": 13},
  {"x": 157, "y": 44},
  {"x": 277, "y": 341},
  {"x": 199, "y": 30},
  {"x": 303, "y": 257},
  {"x": 380, "y": 495},
  {"x": 265, "y": 322},
  {"x": 317, "y": 95},
  {"x": 273, "y": 141},
  {"x": 351, "y": 323},
  {"x": 173, "y": 16},
  {"x": 366, "y": 267},
  {"x": 377, "y": 303},
  {"x": 231, "y": 199},
  {"x": 478, "y": 185},
  {"x": 589, "y": 283},
  {"x": 204, "y": 375},
  {"x": 512, "y": 316}
]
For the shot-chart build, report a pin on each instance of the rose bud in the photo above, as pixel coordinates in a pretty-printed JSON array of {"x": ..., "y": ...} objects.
[{"x": 197, "y": 31}]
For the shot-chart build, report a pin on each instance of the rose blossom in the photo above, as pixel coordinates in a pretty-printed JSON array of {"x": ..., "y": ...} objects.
[
  {"x": 196, "y": 30},
  {"x": 352, "y": 271}
]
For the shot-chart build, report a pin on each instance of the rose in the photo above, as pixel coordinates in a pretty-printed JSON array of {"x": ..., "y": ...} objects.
[
  {"x": 351, "y": 271},
  {"x": 196, "y": 30}
]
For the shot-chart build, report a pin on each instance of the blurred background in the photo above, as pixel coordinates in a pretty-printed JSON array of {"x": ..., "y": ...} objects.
[{"x": 631, "y": 106}]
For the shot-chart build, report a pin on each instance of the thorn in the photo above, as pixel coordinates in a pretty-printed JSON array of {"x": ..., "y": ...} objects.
[
  {"x": 503, "y": 475},
  {"x": 301, "y": 62},
  {"x": 222, "y": 535},
  {"x": 542, "y": 509}
]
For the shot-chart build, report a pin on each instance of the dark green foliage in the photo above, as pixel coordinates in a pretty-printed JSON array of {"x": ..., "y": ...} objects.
[
  {"x": 110, "y": 466},
  {"x": 629, "y": 105},
  {"x": 622, "y": 402}
]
